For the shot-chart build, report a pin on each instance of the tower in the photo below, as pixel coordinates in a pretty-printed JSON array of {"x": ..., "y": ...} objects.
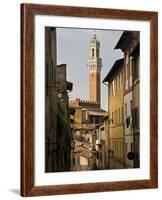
[{"x": 94, "y": 67}]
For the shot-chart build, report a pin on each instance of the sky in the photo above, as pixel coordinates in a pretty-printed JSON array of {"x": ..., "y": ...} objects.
[{"x": 73, "y": 50}]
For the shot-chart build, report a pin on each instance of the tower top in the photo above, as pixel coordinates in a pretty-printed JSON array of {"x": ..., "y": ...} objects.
[
  {"x": 94, "y": 38},
  {"x": 94, "y": 61},
  {"x": 94, "y": 35}
]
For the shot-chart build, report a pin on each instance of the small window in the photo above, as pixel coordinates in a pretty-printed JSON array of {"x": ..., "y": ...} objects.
[
  {"x": 126, "y": 151},
  {"x": 113, "y": 87},
  {"x": 126, "y": 110},
  {"x": 131, "y": 107},
  {"x": 131, "y": 147},
  {"x": 135, "y": 118},
  {"x": 97, "y": 120},
  {"x": 126, "y": 69},
  {"x": 92, "y": 52},
  {"x": 135, "y": 66}
]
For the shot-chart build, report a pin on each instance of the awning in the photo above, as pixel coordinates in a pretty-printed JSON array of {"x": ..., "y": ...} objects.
[{"x": 95, "y": 113}]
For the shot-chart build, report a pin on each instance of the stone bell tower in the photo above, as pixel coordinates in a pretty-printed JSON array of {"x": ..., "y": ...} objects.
[{"x": 94, "y": 67}]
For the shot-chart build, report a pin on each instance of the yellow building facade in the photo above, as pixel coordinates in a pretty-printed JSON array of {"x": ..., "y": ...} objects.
[
  {"x": 136, "y": 103},
  {"x": 115, "y": 113},
  {"x": 129, "y": 44}
]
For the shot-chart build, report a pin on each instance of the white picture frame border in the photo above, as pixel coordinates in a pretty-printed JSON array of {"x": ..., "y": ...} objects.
[{"x": 57, "y": 178}]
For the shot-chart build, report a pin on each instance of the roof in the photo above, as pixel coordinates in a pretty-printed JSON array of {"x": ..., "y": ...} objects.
[
  {"x": 61, "y": 65},
  {"x": 122, "y": 39},
  {"x": 116, "y": 66},
  {"x": 135, "y": 50},
  {"x": 126, "y": 38}
]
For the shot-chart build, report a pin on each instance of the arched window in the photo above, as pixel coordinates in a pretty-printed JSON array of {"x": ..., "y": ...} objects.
[{"x": 92, "y": 52}]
